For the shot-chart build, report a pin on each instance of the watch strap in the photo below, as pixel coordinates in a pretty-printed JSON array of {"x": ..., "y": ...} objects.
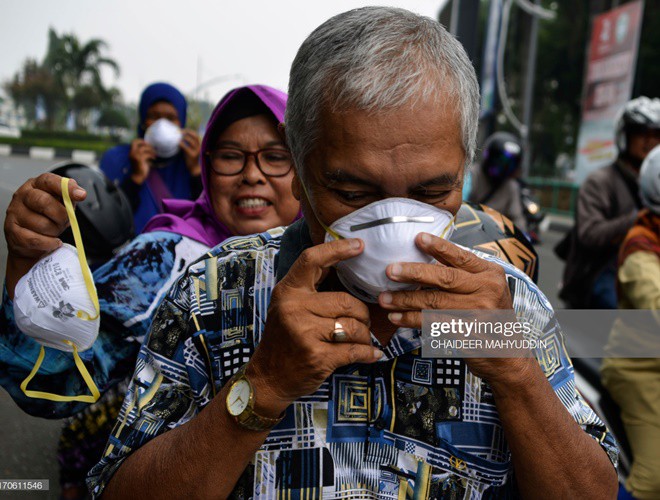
[{"x": 248, "y": 418}]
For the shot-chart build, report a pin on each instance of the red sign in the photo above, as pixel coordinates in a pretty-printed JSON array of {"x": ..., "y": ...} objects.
[
  {"x": 611, "y": 62},
  {"x": 608, "y": 84}
]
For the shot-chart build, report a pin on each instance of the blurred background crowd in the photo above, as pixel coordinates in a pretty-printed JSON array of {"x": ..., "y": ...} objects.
[{"x": 569, "y": 113}]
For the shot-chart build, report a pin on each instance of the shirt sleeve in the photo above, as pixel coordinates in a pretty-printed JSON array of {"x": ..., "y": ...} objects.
[
  {"x": 127, "y": 286},
  {"x": 163, "y": 393},
  {"x": 639, "y": 278},
  {"x": 596, "y": 228},
  {"x": 559, "y": 371},
  {"x": 534, "y": 308}
]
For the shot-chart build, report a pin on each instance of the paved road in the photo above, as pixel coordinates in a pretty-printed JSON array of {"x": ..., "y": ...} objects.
[{"x": 28, "y": 444}]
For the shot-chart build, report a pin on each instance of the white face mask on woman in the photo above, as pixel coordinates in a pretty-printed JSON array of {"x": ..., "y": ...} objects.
[
  {"x": 56, "y": 304},
  {"x": 388, "y": 228},
  {"x": 165, "y": 137}
]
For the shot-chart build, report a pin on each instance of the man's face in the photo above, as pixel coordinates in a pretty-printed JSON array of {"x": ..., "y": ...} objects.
[
  {"x": 641, "y": 142},
  {"x": 361, "y": 158}
]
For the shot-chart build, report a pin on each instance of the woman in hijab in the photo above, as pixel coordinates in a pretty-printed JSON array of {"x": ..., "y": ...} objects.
[
  {"x": 163, "y": 161},
  {"x": 246, "y": 173}
]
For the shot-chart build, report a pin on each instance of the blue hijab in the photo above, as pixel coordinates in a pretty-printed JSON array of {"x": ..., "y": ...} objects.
[{"x": 116, "y": 165}]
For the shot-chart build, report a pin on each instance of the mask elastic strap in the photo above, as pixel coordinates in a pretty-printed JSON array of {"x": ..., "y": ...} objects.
[
  {"x": 91, "y": 289},
  {"x": 327, "y": 229},
  {"x": 93, "y": 398},
  {"x": 87, "y": 274}
]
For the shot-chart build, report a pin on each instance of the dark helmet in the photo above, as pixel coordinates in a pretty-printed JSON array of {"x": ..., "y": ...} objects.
[
  {"x": 484, "y": 229},
  {"x": 105, "y": 217},
  {"x": 637, "y": 115},
  {"x": 502, "y": 156}
]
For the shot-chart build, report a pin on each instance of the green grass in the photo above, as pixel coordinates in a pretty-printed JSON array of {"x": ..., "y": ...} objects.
[{"x": 97, "y": 146}]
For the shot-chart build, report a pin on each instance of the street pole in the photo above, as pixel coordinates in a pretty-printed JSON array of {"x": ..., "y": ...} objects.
[
  {"x": 528, "y": 96},
  {"x": 464, "y": 24}
]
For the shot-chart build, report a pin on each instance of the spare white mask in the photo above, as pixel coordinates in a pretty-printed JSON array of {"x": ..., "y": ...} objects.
[
  {"x": 388, "y": 228},
  {"x": 56, "y": 304},
  {"x": 165, "y": 137}
]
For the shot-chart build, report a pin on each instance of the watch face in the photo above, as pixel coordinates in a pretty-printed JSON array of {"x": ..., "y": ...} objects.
[{"x": 238, "y": 397}]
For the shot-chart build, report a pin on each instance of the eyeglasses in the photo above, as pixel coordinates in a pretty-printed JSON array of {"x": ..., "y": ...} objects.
[{"x": 232, "y": 161}]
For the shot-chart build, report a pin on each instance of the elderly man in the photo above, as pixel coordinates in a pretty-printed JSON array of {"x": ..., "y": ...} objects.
[{"x": 263, "y": 377}]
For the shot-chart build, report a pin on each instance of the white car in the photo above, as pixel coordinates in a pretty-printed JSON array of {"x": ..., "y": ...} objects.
[{"x": 9, "y": 131}]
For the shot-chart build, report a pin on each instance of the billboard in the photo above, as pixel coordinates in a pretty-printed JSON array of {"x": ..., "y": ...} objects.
[{"x": 608, "y": 84}]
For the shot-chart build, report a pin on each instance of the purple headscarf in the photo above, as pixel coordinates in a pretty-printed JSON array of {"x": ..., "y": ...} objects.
[{"x": 196, "y": 219}]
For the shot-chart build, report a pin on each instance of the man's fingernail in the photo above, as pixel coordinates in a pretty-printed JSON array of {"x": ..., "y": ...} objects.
[
  {"x": 378, "y": 354},
  {"x": 395, "y": 269},
  {"x": 394, "y": 317},
  {"x": 355, "y": 244},
  {"x": 78, "y": 192},
  {"x": 386, "y": 298},
  {"x": 425, "y": 238}
]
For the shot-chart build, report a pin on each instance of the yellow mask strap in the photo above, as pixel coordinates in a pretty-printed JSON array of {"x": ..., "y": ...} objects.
[
  {"x": 328, "y": 230},
  {"x": 87, "y": 274},
  {"x": 91, "y": 289},
  {"x": 55, "y": 397}
]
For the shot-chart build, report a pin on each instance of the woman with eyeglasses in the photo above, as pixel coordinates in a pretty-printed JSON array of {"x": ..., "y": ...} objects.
[{"x": 246, "y": 173}]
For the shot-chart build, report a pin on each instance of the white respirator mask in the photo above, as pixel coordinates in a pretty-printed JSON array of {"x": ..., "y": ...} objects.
[
  {"x": 388, "y": 229},
  {"x": 56, "y": 304},
  {"x": 165, "y": 137}
]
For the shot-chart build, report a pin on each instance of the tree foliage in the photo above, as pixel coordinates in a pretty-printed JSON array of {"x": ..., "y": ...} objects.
[
  {"x": 69, "y": 79},
  {"x": 560, "y": 68}
]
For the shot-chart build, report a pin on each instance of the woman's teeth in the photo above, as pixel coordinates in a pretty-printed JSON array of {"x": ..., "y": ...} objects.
[{"x": 252, "y": 202}]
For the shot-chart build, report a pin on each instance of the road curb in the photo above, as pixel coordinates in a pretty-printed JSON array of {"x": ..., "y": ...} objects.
[{"x": 40, "y": 153}]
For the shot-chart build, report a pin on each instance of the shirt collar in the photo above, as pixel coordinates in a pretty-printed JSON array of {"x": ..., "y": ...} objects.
[{"x": 294, "y": 241}]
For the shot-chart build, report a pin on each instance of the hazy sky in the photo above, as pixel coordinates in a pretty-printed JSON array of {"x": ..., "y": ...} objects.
[{"x": 166, "y": 39}]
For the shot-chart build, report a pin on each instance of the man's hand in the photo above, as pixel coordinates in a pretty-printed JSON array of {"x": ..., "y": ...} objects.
[
  {"x": 35, "y": 218},
  {"x": 141, "y": 155},
  {"x": 459, "y": 280},
  {"x": 297, "y": 353},
  {"x": 191, "y": 145}
]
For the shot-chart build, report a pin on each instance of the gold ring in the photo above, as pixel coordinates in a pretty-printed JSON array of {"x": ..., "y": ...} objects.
[{"x": 339, "y": 334}]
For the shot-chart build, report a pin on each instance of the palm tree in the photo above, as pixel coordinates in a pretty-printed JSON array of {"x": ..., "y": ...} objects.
[
  {"x": 32, "y": 87},
  {"x": 77, "y": 68}
]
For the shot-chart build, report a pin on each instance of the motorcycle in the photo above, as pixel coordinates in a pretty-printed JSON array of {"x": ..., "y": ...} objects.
[{"x": 532, "y": 212}]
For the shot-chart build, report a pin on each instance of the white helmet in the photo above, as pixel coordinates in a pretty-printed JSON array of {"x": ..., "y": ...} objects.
[
  {"x": 649, "y": 181},
  {"x": 638, "y": 113}
]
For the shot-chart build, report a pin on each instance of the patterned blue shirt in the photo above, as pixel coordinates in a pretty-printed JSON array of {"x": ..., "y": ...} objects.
[
  {"x": 130, "y": 287},
  {"x": 404, "y": 426}
]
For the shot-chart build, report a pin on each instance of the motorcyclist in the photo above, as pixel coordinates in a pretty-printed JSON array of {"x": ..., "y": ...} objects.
[
  {"x": 608, "y": 204},
  {"x": 494, "y": 181}
]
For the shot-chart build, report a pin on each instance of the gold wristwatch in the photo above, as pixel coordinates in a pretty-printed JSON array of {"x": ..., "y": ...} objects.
[{"x": 240, "y": 404}]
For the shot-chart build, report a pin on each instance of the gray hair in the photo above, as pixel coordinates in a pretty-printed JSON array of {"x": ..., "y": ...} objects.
[{"x": 378, "y": 59}]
